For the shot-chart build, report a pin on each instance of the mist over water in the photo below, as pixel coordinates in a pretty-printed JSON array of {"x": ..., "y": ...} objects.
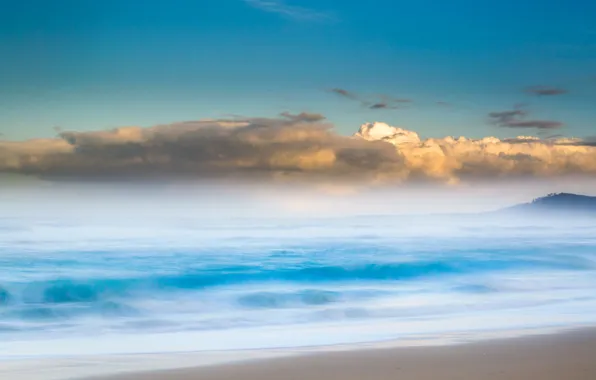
[{"x": 109, "y": 275}]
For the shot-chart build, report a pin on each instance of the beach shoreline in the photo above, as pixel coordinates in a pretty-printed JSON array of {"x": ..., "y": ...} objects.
[
  {"x": 557, "y": 356},
  {"x": 528, "y": 354}
]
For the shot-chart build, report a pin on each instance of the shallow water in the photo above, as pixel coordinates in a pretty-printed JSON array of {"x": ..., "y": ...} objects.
[{"x": 76, "y": 285}]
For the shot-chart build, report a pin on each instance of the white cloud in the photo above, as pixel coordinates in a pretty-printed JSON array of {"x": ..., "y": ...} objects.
[
  {"x": 296, "y": 12},
  {"x": 455, "y": 159}
]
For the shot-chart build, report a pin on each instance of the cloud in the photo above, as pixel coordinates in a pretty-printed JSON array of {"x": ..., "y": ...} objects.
[
  {"x": 382, "y": 101},
  {"x": 378, "y": 106},
  {"x": 291, "y": 148},
  {"x": 546, "y": 90},
  {"x": 345, "y": 93},
  {"x": 303, "y": 117},
  {"x": 516, "y": 119},
  {"x": 454, "y": 160},
  {"x": 504, "y": 117},
  {"x": 539, "y": 124},
  {"x": 295, "y": 12}
]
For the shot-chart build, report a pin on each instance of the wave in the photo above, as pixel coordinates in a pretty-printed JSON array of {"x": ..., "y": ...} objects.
[{"x": 73, "y": 291}]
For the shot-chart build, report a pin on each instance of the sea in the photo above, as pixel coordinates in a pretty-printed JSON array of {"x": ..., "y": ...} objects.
[{"x": 87, "y": 283}]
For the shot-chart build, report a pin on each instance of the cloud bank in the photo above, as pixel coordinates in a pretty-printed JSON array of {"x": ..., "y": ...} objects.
[
  {"x": 297, "y": 146},
  {"x": 292, "y": 147},
  {"x": 452, "y": 159}
]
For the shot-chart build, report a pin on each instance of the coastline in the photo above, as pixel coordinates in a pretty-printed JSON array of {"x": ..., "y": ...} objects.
[
  {"x": 528, "y": 354},
  {"x": 555, "y": 356}
]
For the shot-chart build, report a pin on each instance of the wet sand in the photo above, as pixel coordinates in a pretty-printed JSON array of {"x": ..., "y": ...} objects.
[{"x": 563, "y": 356}]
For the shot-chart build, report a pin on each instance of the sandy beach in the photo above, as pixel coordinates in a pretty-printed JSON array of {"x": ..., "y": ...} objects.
[{"x": 563, "y": 356}]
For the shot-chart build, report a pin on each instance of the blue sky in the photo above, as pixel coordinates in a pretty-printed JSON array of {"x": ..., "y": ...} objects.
[{"x": 84, "y": 65}]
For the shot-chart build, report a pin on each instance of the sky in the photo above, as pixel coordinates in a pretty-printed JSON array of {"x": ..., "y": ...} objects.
[{"x": 438, "y": 68}]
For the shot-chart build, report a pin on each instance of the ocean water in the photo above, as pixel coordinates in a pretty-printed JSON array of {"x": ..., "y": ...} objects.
[{"x": 71, "y": 284}]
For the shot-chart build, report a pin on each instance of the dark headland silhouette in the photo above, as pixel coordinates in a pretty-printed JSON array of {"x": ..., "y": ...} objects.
[{"x": 558, "y": 203}]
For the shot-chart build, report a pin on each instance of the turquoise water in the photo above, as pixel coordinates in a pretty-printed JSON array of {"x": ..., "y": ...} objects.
[{"x": 74, "y": 285}]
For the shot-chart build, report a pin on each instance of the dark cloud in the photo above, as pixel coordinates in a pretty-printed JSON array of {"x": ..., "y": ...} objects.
[
  {"x": 516, "y": 119},
  {"x": 303, "y": 117},
  {"x": 382, "y": 101},
  {"x": 345, "y": 93},
  {"x": 504, "y": 117},
  {"x": 546, "y": 90},
  {"x": 539, "y": 124},
  {"x": 378, "y": 106}
]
